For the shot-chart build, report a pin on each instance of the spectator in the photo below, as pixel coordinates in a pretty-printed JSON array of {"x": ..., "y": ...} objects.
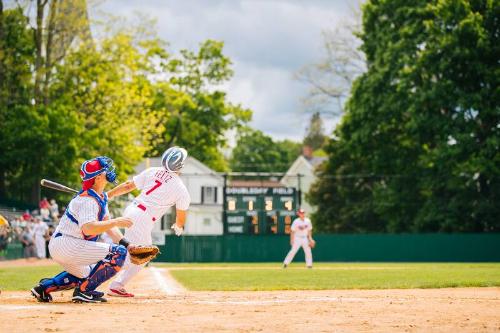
[
  {"x": 45, "y": 214},
  {"x": 50, "y": 232},
  {"x": 44, "y": 203},
  {"x": 26, "y": 216},
  {"x": 40, "y": 230},
  {"x": 3, "y": 221},
  {"x": 27, "y": 240},
  {"x": 4, "y": 237},
  {"x": 54, "y": 210}
]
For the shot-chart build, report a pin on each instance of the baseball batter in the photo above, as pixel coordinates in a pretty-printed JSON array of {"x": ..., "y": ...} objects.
[
  {"x": 161, "y": 188},
  {"x": 300, "y": 236},
  {"x": 87, "y": 263}
]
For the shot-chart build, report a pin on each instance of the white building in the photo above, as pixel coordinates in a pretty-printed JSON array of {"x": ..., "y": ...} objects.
[
  {"x": 301, "y": 175},
  {"x": 205, "y": 187}
]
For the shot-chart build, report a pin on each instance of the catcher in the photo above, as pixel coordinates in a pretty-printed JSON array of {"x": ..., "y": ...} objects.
[{"x": 301, "y": 235}]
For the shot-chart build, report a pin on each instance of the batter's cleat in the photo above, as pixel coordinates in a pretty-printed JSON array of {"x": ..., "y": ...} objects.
[
  {"x": 119, "y": 292},
  {"x": 40, "y": 294},
  {"x": 88, "y": 296},
  {"x": 285, "y": 266},
  {"x": 309, "y": 267}
]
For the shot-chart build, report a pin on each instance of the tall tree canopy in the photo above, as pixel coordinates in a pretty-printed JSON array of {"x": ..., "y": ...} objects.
[
  {"x": 65, "y": 97},
  {"x": 257, "y": 152},
  {"x": 418, "y": 147}
]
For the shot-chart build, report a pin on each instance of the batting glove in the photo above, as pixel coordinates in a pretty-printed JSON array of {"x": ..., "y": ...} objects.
[{"x": 178, "y": 230}]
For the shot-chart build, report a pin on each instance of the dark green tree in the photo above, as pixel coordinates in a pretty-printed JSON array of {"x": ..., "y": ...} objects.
[
  {"x": 257, "y": 152},
  {"x": 315, "y": 132},
  {"x": 417, "y": 149}
]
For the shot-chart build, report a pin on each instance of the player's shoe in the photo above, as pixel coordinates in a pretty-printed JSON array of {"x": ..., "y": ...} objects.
[
  {"x": 285, "y": 266},
  {"x": 88, "y": 296},
  {"x": 119, "y": 292},
  {"x": 40, "y": 294},
  {"x": 309, "y": 267}
]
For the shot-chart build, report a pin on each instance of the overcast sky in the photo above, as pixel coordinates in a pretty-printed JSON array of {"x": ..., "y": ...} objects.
[{"x": 267, "y": 41}]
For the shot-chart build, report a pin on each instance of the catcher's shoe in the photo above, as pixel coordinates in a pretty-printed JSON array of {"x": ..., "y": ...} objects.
[
  {"x": 88, "y": 296},
  {"x": 40, "y": 294},
  {"x": 119, "y": 292}
]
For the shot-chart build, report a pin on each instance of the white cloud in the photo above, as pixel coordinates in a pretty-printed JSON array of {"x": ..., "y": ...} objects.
[{"x": 267, "y": 41}]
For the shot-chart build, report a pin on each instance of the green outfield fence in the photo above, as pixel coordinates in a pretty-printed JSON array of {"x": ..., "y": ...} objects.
[{"x": 344, "y": 247}]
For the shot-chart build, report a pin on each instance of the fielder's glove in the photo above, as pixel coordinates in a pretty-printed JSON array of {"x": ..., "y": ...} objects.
[
  {"x": 312, "y": 243},
  {"x": 178, "y": 230},
  {"x": 141, "y": 254}
]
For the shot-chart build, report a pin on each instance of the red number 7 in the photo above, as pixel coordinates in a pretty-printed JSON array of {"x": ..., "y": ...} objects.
[{"x": 158, "y": 184}]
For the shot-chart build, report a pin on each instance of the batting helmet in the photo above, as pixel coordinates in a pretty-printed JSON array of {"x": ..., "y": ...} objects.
[
  {"x": 173, "y": 158},
  {"x": 93, "y": 168}
]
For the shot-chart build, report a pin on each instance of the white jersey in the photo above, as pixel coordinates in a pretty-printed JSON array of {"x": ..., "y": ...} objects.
[
  {"x": 81, "y": 210},
  {"x": 40, "y": 229},
  {"x": 301, "y": 227},
  {"x": 160, "y": 190}
]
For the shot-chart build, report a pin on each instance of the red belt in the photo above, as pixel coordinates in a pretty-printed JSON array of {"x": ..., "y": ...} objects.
[{"x": 142, "y": 207}]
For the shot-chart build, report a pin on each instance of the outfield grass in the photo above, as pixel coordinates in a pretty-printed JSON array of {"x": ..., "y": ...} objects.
[
  {"x": 335, "y": 276},
  {"x": 24, "y": 278},
  {"x": 270, "y": 276}
]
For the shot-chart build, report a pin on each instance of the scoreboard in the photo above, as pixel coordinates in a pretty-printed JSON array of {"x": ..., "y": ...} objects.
[{"x": 259, "y": 210}]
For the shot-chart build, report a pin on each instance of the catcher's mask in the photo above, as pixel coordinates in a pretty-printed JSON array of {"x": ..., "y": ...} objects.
[
  {"x": 93, "y": 168},
  {"x": 173, "y": 158}
]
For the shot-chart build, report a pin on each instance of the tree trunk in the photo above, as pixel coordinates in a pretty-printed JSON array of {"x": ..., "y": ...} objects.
[
  {"x": 48, "y": 50},
  {"x": 40, "y": 5}
]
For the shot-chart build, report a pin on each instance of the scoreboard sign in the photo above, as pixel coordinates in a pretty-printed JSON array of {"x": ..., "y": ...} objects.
[{"x": 259, "y": 210}]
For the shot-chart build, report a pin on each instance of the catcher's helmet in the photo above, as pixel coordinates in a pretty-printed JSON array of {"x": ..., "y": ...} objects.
[
  {"x": 93, "y": 168},
  {"x": 173, "y": 158}
]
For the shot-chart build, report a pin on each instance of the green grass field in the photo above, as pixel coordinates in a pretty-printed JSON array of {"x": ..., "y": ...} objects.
[
  {"x": 270, "y": 276},
  {"x": 335, "y": 276}
]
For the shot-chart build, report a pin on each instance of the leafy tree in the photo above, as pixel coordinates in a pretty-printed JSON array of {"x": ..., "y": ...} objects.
[
  {"x": 257, "y": 152},
  {"x": 417, "y": 149},
  {"x": 315, "y": 133},
  {"x": 199, "y": 115}
]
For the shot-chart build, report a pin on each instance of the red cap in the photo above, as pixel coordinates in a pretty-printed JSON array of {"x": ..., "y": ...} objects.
[{"x": 90, "y": 167}]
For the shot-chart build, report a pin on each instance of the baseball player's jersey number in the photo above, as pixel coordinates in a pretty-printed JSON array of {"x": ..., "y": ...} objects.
[{"x": 158, "y": 184}]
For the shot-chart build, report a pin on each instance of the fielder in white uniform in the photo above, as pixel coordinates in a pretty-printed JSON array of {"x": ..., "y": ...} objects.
[
  {"x": 87, "y": 263},
  {"x": 300, "y": 236},
  {"x": 40, "y": 232},
  {"x": 161, "y": 188}
]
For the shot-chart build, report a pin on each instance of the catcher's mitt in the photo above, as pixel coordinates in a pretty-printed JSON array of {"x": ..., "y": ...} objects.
[
  {"x": 143, "y": 253},
  {"x": 312, "y": 243}
]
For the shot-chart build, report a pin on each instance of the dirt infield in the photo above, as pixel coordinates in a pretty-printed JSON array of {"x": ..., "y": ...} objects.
[{"x": 162, "y": 305}]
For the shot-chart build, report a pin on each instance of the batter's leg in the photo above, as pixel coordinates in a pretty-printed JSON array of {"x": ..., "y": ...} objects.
[{"x": 139, "y": 233}]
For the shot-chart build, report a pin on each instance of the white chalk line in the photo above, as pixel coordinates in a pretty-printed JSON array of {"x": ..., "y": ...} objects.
[
  {"x": 278, "y": 301},
  {"x": 167, "y": 286},
  {"x": 22, "y": 307}
]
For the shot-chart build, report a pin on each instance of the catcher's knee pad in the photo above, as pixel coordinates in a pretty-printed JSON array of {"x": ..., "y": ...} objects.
[{"x": 117, "y": 255}]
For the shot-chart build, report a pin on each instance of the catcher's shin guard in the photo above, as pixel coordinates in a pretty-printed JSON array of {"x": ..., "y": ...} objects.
[
  {"x": 61, "y": 281},
  {"x": 105, "y": 269}
]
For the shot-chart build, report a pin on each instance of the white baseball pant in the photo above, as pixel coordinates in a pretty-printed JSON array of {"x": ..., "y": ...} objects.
[
  {"x": 40, "y": 247},
  {"x": 77, "y": 256},
  {"x": 138, "y": 234},
  {"x": 299, "y": 241}
]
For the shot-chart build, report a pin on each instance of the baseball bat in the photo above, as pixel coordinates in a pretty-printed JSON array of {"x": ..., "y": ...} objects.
[{"x": 57, "y": 186}]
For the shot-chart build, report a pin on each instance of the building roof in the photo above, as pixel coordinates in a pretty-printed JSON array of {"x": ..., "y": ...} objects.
[{"x": 255, "y": 183}]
